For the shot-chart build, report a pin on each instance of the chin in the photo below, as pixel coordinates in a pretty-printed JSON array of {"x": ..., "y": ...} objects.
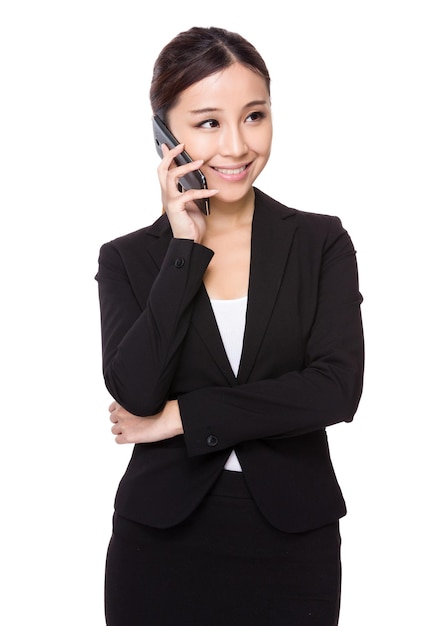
[{"x": 234, "y": 196}]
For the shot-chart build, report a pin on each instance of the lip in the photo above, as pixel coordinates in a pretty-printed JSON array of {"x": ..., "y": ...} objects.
[{"x": 232, "y": 172}]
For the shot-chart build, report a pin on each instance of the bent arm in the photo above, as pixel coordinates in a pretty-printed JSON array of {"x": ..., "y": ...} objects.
[
  {"x": 141, "y": 343},
  {"x": 325, "y": 391}
]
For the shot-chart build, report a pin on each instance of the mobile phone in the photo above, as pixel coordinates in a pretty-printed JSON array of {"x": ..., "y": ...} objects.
[{"x": 193, "y": 180}]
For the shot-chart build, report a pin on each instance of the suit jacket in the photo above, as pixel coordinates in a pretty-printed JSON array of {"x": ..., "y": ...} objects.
[{"x": 301, "y": 368}]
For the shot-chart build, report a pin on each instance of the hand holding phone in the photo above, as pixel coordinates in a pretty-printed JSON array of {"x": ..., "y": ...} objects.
[{"x": 192, "y": 180}]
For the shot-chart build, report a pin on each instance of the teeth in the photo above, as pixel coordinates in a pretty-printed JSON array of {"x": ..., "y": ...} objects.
[{"x": 230, "y": 172}]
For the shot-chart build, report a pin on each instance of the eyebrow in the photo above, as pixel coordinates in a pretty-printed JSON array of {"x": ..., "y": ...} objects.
[{"x": 206, "y": 110}]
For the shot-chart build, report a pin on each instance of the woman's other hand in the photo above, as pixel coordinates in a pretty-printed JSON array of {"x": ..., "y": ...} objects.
[{"x": 129, "y": 428}]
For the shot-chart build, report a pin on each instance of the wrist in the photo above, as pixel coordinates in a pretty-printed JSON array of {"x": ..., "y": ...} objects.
[{"x": 174, "y": 422}]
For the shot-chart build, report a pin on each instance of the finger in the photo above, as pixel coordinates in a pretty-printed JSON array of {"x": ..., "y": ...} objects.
[
  {"x": 168, "y": 159},
  {"x": 169, "y": 178},
  {"x": 116, "y": 429},
  {"x": 113, "y": 412},
  {"x": 182, "y": 170},
  {"x": 197, "y": 194},
  {"x": 173, "y": 151}
]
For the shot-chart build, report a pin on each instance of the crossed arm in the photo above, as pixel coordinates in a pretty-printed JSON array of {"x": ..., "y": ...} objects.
[{"x": 129, "y": 428}]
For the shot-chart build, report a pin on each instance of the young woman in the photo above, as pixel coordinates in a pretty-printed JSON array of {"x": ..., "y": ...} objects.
[{"x": 230, "y": 342}]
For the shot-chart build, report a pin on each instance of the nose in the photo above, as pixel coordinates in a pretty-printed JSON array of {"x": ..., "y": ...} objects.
[{"x": 233, "y": 142}]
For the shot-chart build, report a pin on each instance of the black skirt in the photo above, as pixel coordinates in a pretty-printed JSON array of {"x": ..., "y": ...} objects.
[{"x": 223, "y": 566}]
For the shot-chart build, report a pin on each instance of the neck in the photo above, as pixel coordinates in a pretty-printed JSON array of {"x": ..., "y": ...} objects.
[{"x": 231, "y": 214}]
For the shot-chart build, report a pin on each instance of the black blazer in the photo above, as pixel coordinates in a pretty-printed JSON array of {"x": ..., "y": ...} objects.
[{"x": 301, "y": 367}]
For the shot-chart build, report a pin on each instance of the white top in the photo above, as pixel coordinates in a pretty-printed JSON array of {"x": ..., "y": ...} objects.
[{"x": 231, "y": 319}]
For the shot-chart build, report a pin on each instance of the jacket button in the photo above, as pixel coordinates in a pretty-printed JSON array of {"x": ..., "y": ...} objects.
[
  {"x": 212, "y": 441},
  {"x": 179, "y": 262}
]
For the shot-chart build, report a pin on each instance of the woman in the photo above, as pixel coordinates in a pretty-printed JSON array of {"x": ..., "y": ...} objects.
[{"x": 230, "y": 342}]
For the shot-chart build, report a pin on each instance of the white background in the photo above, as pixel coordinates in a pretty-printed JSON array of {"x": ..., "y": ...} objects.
[{"x": 360, "y": 103}]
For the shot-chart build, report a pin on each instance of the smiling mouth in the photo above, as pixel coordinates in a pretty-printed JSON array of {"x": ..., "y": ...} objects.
[{"x": 231, "y": 172}]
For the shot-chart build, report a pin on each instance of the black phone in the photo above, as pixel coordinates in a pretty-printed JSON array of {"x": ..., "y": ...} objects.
[{"x": 193, "y": 180}]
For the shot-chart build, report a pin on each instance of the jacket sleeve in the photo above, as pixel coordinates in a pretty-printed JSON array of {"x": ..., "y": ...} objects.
[
  {"x": 324, "y": 392},
  {"x": 141, "y": 345}
]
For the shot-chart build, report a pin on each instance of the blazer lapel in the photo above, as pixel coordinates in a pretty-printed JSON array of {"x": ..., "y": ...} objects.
[
  {"x": 204, "y": 322},
  {"x": 272, "y": 235}
]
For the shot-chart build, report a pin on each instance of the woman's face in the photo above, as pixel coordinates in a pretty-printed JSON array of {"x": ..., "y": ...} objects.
[{"x": 225, "y": 119}]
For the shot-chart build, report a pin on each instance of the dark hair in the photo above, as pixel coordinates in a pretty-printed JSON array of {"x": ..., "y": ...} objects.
[{"x": 195, "y": 54}]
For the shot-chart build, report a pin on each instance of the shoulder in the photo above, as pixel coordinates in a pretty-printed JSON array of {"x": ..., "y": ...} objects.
[
  {"x": 320, "y": 225},
  {"x": 136, "y": 243},
  {"x": 140, "y": 248},
  {"x": 142, "y": 236}
]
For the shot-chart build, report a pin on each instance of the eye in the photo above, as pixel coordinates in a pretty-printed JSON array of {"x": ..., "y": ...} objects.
[
  {"x": 209, "y": 124},
  {"x": 256, "y": 116}
]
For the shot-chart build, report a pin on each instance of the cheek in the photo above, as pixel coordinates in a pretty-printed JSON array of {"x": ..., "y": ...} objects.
[
  {"x": 199, "y": 147},
  {"x": 263, "y": 149},
  {"x": 261, "y": 143}
]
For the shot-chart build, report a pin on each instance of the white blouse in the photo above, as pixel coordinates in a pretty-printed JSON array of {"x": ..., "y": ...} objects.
[{"x": 230, "y": 316}]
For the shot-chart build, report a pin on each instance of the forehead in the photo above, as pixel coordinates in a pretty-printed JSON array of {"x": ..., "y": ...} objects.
[{"x": 236, "y": 84}]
